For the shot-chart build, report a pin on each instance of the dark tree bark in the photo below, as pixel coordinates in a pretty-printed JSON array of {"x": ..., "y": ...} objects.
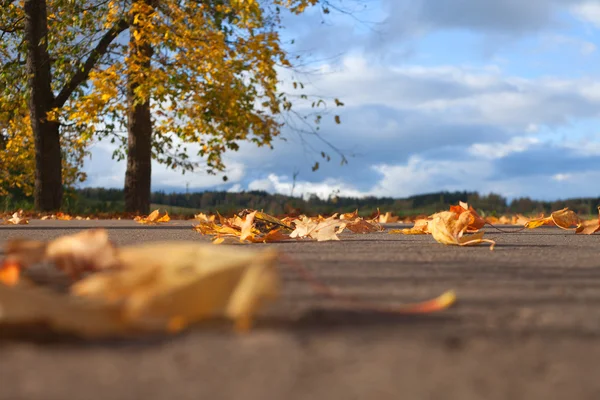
[
  {"x": 139, "y": 136},
  {"x": 48, "y": 191},
  {"x": 139, "y": 155},
  {"x": 48, "y": 159}
]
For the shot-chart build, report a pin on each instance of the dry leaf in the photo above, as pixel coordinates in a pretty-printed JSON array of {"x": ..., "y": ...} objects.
[
  {"x": 590, "y": 227},
  {"x": 157, "y": 287},
  {"x": 17, "y": 219},
  {"x": 9, "y": 273},
  {"x": 448, "y": 228},
  {"x": 155, "y": 217},
  {"x": 204, "y": 218},
  {"x": 359, "y": 225},
  {"x": 442, "y": 302},
  {"x": 86, "y": 251},
  {"x": 185, "y": 281},
  {"x": 387, "y": 218},
  {"x": 323, "y": 230},
  {"x": 475, "y": 221},
  {"x": 63, "y": 216},
  {"x": 520, "y": 220},
  {"x": 255, "y": 227},
  {"x": 564, "y": 219},
  {"x": 421, "y": 227}
]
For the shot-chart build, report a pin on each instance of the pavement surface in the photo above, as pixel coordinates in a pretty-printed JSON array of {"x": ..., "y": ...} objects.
[{"x": 526, "y": 326}]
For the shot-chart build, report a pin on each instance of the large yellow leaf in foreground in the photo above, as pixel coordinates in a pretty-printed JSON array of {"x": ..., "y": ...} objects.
[
  {"x": 448, "y": 228},
  {"x": 158, "y": 287}
]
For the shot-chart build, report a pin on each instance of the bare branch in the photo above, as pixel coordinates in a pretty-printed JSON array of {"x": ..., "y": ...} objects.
[{"x": 82, "y": 74}]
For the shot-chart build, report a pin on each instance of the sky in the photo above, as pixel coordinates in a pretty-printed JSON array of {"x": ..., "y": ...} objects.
[{"x": 487, "y": 96}]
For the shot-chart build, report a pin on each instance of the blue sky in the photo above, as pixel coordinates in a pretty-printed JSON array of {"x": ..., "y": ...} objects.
[{"x": 478, "y": 95}]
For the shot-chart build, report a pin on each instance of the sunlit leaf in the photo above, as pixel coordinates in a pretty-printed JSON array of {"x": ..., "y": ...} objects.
[{"x": 447, "y": 227}]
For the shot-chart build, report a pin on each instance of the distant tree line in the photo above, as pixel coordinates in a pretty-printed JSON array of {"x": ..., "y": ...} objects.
[{"x": 110, "y": 200}]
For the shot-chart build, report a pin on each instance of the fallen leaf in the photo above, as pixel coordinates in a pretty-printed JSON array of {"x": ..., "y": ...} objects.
[
  {"x": 86, "y": 251},
  {"x": 520, "y": 220},
  {"x": 155, "y": 217},
  {"x": 9, "y": 273},
  {"x": 589, "y": 227},
  {"x": 17, "y": 219},
  {"x": 204, "y": 218},
  {"x": 190, "y": 282},
  {"x": 160, "y": 287},
  {"x": 475, "y": 221},
  {"x": 62, "y": 216},
  {"x": 359, "y": 225},
  {"x": 323, "y": 230},
  {"x": 564, "y": 219},
  {"x": 387, "y": 218},
  {"x": 421, "y": 227},
  {"x": 447, "y": 227},
  {"x": 442, "y": 302}
]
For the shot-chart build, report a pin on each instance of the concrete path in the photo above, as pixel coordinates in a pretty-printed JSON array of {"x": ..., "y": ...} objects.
[{"x": 526, "y": 326}]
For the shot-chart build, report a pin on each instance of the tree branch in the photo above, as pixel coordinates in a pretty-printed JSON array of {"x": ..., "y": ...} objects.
[{"x": 82, "y": 74}]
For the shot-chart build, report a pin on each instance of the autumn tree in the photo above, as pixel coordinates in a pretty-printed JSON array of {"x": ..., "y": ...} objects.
[
  {"x": 47, "y": 51},
  {"x": 203, "y": 73}
]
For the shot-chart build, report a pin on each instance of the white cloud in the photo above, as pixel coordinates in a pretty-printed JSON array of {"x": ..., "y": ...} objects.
[
  {"x": 498, "y": 150},
  {"x": 588, "y": 11},
  {"x": 281, "y": 184},
  {"x": 421, "y": 176},
  {"x": 561, "y": 177},
  {"x": 463, "y": 94},
  {"x": 585, "y": 47}
]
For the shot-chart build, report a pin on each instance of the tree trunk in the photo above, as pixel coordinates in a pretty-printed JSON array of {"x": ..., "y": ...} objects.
[
  {"x": 139, "y": 133},
  {"x": 139, "y": 156},
  {"x": 48, "y": 159}
]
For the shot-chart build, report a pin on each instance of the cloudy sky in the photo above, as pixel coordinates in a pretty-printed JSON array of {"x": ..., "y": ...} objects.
[{"x": 492, "y": 96}]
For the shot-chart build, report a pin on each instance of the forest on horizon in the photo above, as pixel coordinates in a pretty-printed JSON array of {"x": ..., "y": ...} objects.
[{"x": 101, "y": 200}]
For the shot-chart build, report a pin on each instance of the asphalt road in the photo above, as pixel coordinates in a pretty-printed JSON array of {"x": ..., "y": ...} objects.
[{"x": 526, "y": 326}]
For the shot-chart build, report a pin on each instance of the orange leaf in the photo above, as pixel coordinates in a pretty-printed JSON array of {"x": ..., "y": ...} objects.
[
  {"x": 440, "y": 303},
  {"x": 387, "y": 218},
  {"x": 154, "y": 217},
  {"x": 447, "y": 229},
  {"x": 9, "y": 273},
  {"x": 420, "y": 228},
  {"x": 564, "y": 219},
  {"x": 590, "y": 227}
]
